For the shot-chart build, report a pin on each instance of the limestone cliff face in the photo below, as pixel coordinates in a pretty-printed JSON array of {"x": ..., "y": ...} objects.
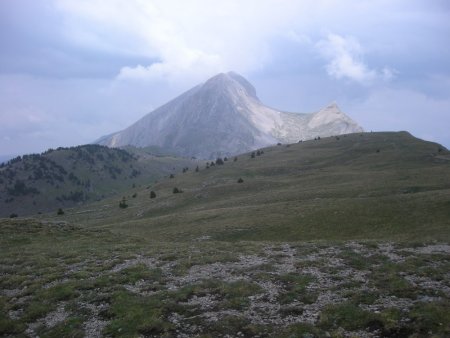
[{"x": 224, "y": 116}]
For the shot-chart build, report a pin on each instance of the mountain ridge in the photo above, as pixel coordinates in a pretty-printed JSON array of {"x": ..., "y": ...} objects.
[
  {"x": 65, "y": 177},
  {"x": 224, "y": 116}
]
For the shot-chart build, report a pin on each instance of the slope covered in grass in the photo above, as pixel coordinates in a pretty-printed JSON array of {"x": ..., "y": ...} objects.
[
  {"x": 335, "y": 237},
  {"x": 71, "y": 176},
  {"x": 356, "y": 186}
]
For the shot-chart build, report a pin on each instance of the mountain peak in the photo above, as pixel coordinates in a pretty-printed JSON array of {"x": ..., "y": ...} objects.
[
  {"x": 230, "y": 80},
  {"x": 222, "y": 117},
  {"x": 332, "y": 114},
  {"x": 333, "y": 105}
]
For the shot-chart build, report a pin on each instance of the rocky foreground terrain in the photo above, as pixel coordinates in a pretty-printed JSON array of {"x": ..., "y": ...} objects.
[{"x": 69, "y": 281}]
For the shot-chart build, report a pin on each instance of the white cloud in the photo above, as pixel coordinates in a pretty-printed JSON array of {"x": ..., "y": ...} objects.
[
  {"x": 188, "y": 61},
  {"x": 190, "y": 39},
  {"x": 345, "y": 60}
]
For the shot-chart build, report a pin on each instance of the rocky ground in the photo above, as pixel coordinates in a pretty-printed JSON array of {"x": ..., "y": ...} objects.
[{"x": 216, "y": 289}]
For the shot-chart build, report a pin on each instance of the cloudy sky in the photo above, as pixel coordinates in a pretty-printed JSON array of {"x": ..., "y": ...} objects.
[{"x": 73, "y": 70}]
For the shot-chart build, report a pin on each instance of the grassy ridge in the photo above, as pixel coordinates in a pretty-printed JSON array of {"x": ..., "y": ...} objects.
[{"x": 358, "y": 186}]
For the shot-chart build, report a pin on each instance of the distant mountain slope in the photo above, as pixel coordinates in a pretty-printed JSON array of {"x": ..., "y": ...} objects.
[
  {"x": 69, "y": 176},
  {"x": 224, "y": 116},
  {"x": 357, "y": 186}
]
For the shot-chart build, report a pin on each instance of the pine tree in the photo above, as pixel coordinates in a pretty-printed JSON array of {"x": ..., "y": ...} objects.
[{"x": 123, "y": 203}]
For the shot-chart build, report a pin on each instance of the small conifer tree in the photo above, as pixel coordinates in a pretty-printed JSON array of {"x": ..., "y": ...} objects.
[
  {"x": 240, "y": 180},
  {"x": 123, "y": 203},
  {"x": 152, "y": 194}
]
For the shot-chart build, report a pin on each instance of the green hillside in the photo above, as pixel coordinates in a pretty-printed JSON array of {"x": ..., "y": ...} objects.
[
  {"x": 337, "y": 237},
  {"x": 357, "y": 186},
  {"x": 65, "y": 177}
]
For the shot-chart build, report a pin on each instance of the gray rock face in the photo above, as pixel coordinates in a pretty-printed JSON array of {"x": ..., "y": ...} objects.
[{"x": 223, "y": 117}]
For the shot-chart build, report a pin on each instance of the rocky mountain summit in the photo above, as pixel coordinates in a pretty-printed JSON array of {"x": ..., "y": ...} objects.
[{"x": 224, "y": 116}]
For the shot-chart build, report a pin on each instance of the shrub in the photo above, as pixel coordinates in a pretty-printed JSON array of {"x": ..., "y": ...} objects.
[
  {"x": 123, "y": 203},
  {"x": 171, "y": 176},
  {"x": 252, "y": 155},
  {"x": 134, "y": 195},
  {"x": 219, "y": 161},
  {"x": 60, "y": 212},
  {"x": 13, "y": 215},
  {"x": 235, "y": 159},
  {"x": 197, "y": 169},
  {"x": 240, "y": 180},
  {"x": 152, "y": 194},
  {"x": 177, "y": 191}
]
